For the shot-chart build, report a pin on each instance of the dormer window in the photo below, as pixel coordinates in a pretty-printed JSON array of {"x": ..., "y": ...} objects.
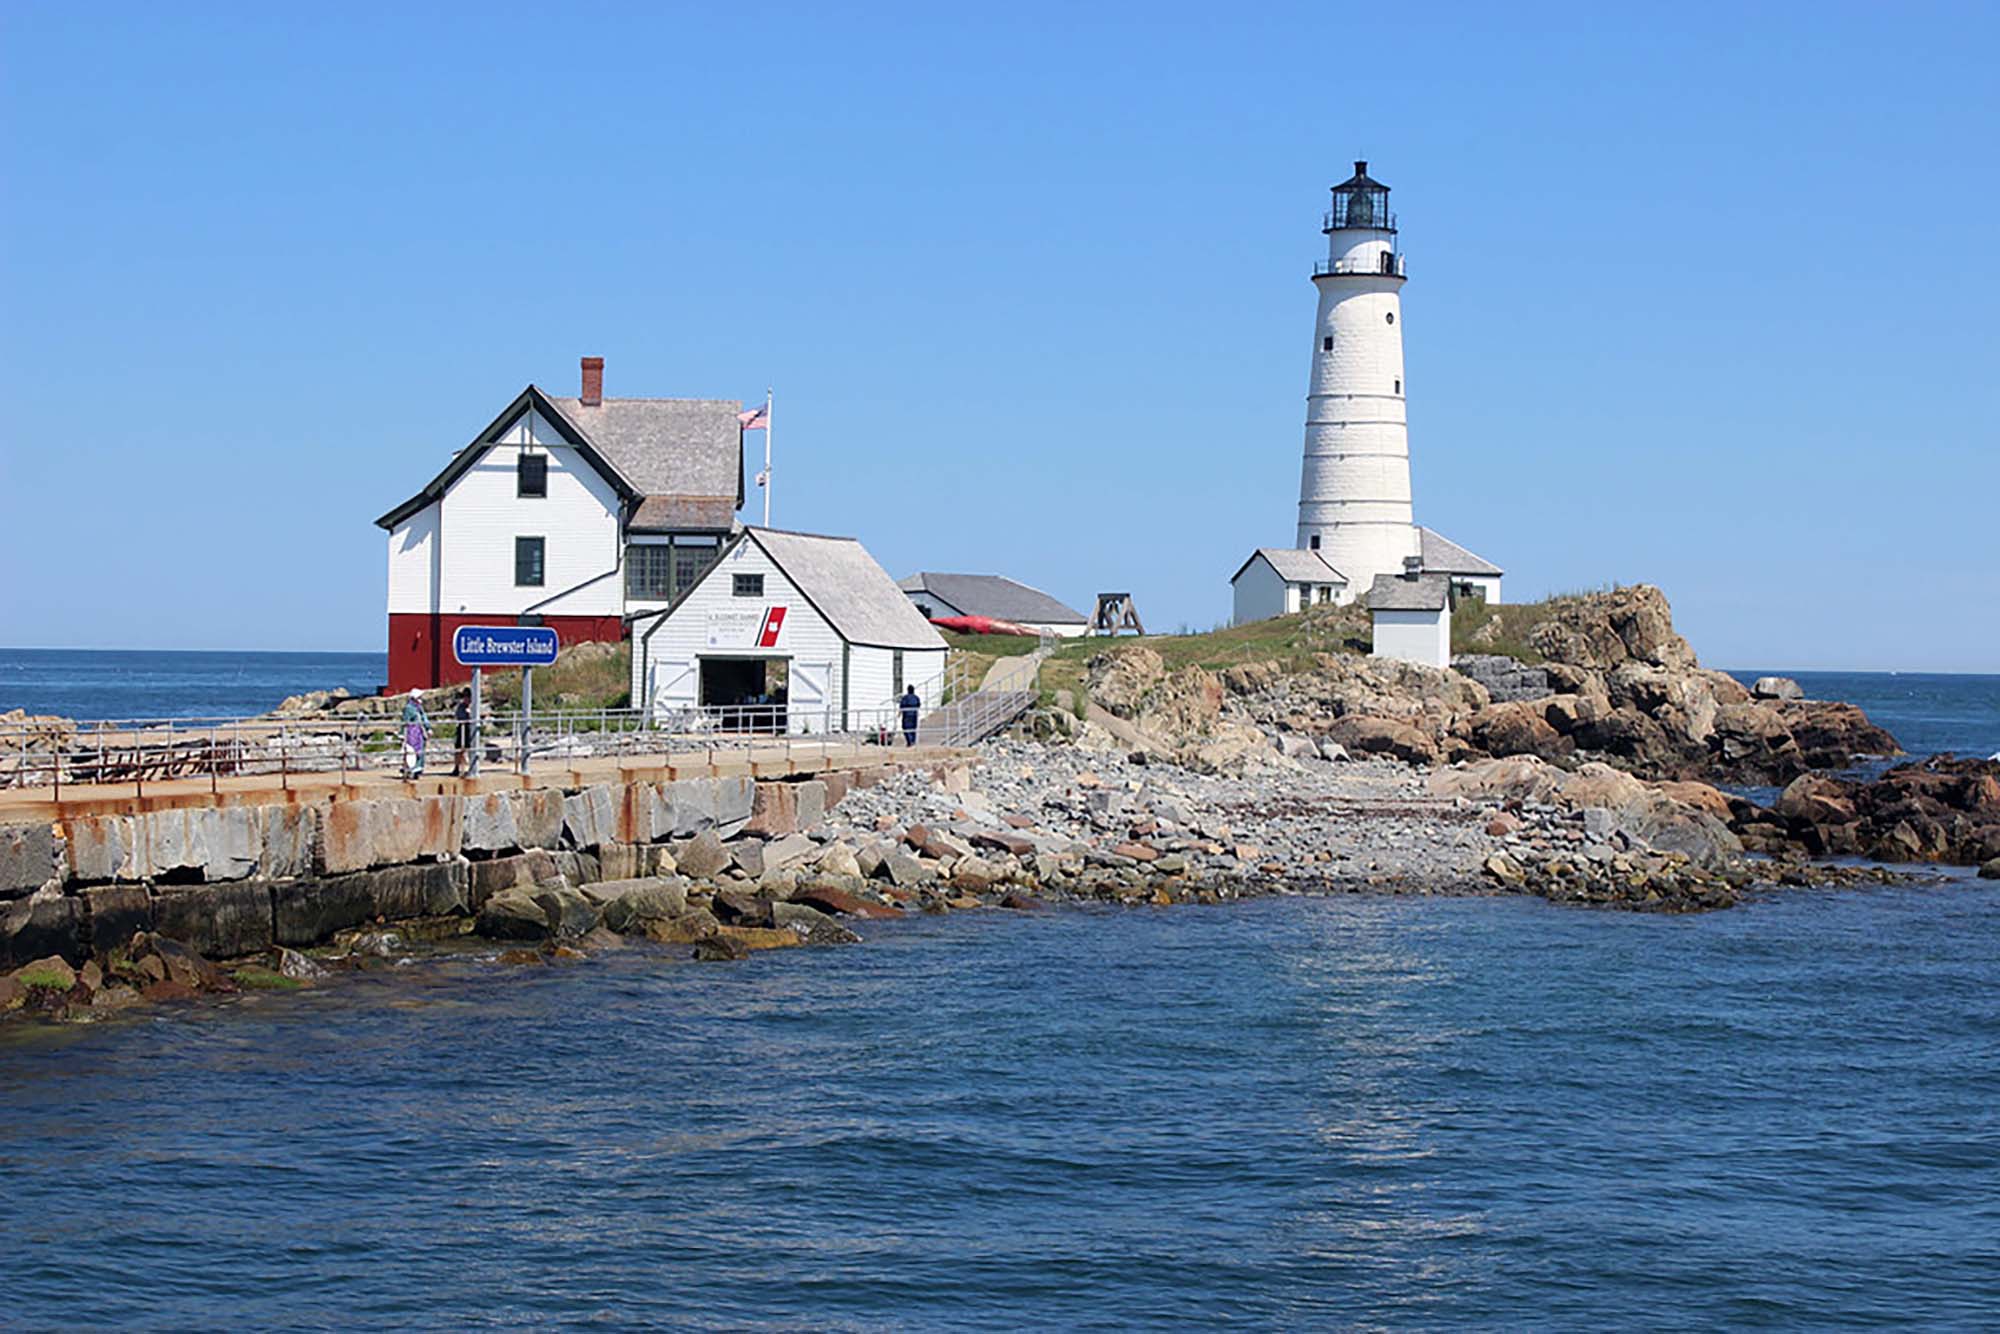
[{"x": 531, "y": 475}]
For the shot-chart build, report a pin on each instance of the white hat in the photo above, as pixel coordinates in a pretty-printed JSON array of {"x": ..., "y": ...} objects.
[{"x": 416, "y": 693}]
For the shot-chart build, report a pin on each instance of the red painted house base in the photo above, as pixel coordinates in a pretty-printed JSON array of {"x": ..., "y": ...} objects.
[{"x": 420, "y": 643}]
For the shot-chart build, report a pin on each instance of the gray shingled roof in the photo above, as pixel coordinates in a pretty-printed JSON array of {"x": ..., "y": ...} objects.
[
  {"x": 996, "y": 596},
  {"x": 673, "y": 514},
  {"x": 1296, "y": 565},
  {"x": 1448, "y": 557},
  {"x": 840, "y": 578},
  {"x": 665, "y": 446},
  {"x": 1393, "y": 592},
  {"x": 686, "y": 449}
]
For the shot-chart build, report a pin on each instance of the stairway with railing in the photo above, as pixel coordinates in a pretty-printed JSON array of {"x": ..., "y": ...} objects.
[{"x": 971, "y": 711}]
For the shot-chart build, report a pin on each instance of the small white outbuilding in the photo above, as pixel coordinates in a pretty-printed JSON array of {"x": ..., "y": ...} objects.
[
  {"x": 1412, "y": 615},
  {"x": 1277, "y": 581},
  {"x": 790, "y": 632}
]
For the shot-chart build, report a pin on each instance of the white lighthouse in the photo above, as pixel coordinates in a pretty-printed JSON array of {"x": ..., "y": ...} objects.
[
  {"x": 1355, "y": 516},
  {"x": 1354, "y": 492}
]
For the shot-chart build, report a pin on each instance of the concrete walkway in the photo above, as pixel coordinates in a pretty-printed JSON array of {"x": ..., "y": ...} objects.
[
  {"x": 1019, "y": 672},
  {"x": 777, "y": 758}
]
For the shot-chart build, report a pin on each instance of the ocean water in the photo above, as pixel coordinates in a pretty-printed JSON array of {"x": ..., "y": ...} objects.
[
  {"x": 1324, "y": 1113},
  {"x": 95, "y": 683},
  {"x": 1317, "y": 1113}
]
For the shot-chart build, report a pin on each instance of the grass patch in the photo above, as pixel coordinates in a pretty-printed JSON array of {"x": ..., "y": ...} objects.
[
  {"x": 43, "y": 979},
  {"x": 584, "y": 676},
  {"x": 1291, "y": 640},
  {"x": 1477, "y": 627},
  {"x": 991, "y": 646}
]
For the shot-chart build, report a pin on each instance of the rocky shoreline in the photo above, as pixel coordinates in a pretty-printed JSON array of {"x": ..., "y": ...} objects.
[
  {"x": 1583, "y": 778},
  {"x": 1029, "y": 826}
]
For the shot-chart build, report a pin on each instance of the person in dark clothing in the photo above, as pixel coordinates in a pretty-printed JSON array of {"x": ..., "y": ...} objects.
[
  {"x": 912, "y": 706},
  {"x": 461, "y": 712}
]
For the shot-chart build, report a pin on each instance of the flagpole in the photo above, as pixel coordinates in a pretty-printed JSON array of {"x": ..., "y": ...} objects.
[{"x": 767, "y": 456}]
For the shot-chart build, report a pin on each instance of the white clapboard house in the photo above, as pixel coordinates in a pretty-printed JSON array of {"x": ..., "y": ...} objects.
[
  {"x": 788, "y": 632},
  {"x": 1277, "y": 581},
  {"x": 574, "y": 513}
]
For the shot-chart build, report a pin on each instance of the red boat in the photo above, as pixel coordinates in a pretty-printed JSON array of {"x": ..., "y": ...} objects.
[{"x": 981, "y": 625}]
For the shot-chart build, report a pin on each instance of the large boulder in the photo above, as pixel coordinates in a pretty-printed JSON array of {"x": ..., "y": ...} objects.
[
  {"x": 1602, "y": 630},
  {"x": 35, "y": 928},
  {"x": 1517, "y": 728},
  {"x": 645, "y": 901},
  {"x": 1384, "y": 736},
  {"x": 1776, "y": 687},
  {"x": 513, "y": 914}
]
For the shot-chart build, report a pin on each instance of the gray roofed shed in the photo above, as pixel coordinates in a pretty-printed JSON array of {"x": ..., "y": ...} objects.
[
  {"x": 1295, "y": 565},
  {"x": 1395, "y": 592},
  {"x": 996, "y": 596},
  {"x": 846, "y": 585},
  {"x": 1448, "y": 557}
]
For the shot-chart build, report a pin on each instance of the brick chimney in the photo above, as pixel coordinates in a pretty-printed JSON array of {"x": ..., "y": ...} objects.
[{"x": 593, "y": 382}]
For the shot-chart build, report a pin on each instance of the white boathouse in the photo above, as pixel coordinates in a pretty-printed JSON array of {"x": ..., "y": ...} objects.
[{"x": 790, "y": 632}]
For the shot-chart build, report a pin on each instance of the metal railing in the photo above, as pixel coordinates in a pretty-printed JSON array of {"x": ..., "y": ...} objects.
[
  {"x": 1362, "y": 219},
  {"x": 58, "y": 754},
  {"x": 1394, "y": 269}
]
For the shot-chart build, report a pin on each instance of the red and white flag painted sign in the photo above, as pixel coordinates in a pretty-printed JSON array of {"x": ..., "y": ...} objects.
[{"x": 774, "y": 621}]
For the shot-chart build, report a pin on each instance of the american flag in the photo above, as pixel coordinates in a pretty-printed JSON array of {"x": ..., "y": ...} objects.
[{"x": 756, "y": 419}]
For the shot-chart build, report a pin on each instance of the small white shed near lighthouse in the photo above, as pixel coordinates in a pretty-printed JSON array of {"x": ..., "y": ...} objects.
[
  {"x": 792, "y": 632},
  {"x": 1412, "y": 615}
]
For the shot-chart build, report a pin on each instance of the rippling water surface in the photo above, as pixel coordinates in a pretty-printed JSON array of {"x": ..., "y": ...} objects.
[{"x": 1289, "y": 1112}]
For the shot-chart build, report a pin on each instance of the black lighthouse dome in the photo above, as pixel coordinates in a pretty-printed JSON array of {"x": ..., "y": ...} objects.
[{"x": 1360, "y": 201}]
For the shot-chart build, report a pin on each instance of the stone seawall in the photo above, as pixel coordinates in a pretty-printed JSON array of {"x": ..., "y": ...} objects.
[{"x": 236, "y": 879}]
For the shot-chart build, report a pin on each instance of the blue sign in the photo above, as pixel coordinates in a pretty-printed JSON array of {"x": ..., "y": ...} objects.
[{"x": 504, "y": 645}]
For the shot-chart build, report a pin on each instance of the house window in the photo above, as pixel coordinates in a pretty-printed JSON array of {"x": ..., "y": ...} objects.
[
  {"x": 692, "y": 557},
  {"x": 747, "y": 585},
  {"x": 531, "y": 475},
  {"x": 1326, "y": 343},
  {"x": 649, "y": 571},
  {"x": 528, "y": 562}
]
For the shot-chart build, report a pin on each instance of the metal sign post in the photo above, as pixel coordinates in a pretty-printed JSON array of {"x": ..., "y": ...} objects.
[
  {"x": 472, "y": 764},
  {"x": 527, "y": 708},
  {"x": 523, "y": 646}
]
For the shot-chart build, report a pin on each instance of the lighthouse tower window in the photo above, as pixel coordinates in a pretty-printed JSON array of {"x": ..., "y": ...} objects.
[
  {"x": 1399, "y": 386},
  {"x": 1390, "y": 316},
  {"x": 1326, "y": 343}
]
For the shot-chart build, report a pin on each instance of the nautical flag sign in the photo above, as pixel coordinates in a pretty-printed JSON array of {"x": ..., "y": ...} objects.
[{"x": 504, "y": 645}]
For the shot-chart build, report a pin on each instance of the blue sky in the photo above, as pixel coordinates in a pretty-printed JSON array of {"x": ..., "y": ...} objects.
[{"x": 1701, "y": 296}]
